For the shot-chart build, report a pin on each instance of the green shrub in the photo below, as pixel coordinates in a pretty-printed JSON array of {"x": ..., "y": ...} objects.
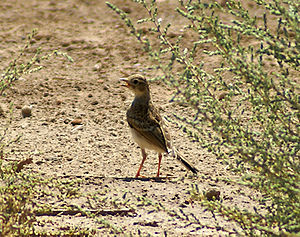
[
  {"x": 16, "y": 193},
  {"x": 245, "y": 110}
]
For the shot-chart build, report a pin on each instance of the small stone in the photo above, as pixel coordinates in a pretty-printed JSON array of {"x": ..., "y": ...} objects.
[
  {"x": 90, "y": 95},
  {"x": 58, "y": 102},
  {"x": 95, "y": 102},
  {"x": 97, "y": 67},
  {"x": 76, "y": 121},
  {"x": 126, "y": 9},
  {"x": 212, "y": 195},
  {"x": 26, "y": 111}
]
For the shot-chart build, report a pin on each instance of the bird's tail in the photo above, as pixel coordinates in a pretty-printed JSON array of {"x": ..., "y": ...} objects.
[
  {"x": 187, "y": 165},
  {"x": 184, "y": 162},
  {"x": 173, "y": 151}
]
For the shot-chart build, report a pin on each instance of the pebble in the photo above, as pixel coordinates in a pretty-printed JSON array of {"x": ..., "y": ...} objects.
[
  {"x": 212, "y": 195},
  {"x": 76, "y": 121},
  {"x": 95, "y": 102},
  {"x": 126, "y": 9},
  {"x": 58, "y": 102},
  {"x": 97, "y": 67},
  {"x": 26, "y": 111}
]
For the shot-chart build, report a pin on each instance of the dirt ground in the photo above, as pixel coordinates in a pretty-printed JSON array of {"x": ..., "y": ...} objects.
[{"x": 100, "y": 151}]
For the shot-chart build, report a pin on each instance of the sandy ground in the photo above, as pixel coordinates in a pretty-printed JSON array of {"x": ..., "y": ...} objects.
[{"x": 100, "y": 152}]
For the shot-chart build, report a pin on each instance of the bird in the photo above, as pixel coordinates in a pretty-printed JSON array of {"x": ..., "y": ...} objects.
[{"x": 147, "y": 126}]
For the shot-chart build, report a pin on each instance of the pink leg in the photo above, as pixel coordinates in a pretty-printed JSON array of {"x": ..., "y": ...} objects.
[
  {"x": 141, "y": 165},
  {"x": 159, "y": 162}
]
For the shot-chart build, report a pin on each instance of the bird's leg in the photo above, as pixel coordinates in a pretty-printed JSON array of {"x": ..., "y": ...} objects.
[
  {"x": 142, "y": 163},
  {"x": 159, "y": 162}
]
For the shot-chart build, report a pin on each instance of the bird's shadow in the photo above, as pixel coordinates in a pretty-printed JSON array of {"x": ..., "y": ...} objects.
[
  {"x": 145, "y": 179},
  {"x": 126, "y": 179}
]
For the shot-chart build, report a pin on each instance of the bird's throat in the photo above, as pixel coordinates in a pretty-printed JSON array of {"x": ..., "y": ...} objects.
[{"x": 143, "y": 99}]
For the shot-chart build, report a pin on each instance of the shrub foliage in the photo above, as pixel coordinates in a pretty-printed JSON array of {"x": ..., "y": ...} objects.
[{"x": 245, "y": 108}]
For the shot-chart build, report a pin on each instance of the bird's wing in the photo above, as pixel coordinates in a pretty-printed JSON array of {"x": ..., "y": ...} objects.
[
  {"x": 167, "y": 136},
  {"x": 149, "y": 128}
]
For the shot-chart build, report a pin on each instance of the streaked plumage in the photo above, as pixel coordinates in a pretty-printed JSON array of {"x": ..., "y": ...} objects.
[{"x": 146, "y": 125}]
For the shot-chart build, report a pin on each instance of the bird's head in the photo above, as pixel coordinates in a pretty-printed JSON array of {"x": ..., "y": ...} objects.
[{"x": 137, "y": 83}]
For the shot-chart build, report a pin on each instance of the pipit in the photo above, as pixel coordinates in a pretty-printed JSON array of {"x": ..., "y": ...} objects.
[{"x": 146, "y": 124}]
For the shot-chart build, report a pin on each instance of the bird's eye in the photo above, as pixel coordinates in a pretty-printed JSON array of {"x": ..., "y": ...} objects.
[{"x": 135, "y": 81}]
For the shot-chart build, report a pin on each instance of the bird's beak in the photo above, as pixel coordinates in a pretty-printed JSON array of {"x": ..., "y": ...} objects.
[{"x": 126, "y": 81}]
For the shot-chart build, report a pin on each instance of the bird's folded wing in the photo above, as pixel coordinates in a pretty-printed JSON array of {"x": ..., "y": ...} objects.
[{"x": 150, "y": 130}]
